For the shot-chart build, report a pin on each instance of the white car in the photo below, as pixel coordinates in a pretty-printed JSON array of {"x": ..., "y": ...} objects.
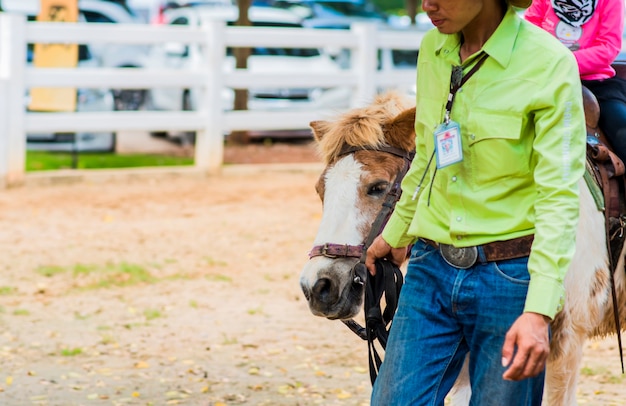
[
  {"x": 116, "y": 55},
  {"x": 91, "y": 55},
  {"x": 176, "y": 55},
  {"x": 103, "y": 55}
]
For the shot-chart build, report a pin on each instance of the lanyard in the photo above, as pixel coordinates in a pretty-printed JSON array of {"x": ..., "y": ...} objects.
[{"x": 458, "y": 79}]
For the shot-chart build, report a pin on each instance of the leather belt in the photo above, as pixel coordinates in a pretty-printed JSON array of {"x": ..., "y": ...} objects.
[{"x": 465, "y": 257}]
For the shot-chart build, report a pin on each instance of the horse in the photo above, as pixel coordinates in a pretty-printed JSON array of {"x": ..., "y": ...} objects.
[{"x": 352, "y": 188}]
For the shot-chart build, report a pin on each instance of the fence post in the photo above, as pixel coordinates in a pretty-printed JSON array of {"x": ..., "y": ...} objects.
[
  {"x": 365, "y": 63},
  {"x": 209, "y": 153},
  {"x": 12, "y": 109}
]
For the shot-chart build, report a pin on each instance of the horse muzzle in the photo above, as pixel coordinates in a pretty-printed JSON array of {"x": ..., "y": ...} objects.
[{"x": 336, "y": 291}]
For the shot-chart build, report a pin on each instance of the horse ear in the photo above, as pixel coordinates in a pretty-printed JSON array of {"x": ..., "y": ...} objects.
[
  {"x": 400, "y": 130},
  {"x": 319, "y": 129},
  {"x": 402, "y": 124}
]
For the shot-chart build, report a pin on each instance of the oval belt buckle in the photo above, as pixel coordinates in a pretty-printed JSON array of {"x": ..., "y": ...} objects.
[{"x": 462, "y": 258}]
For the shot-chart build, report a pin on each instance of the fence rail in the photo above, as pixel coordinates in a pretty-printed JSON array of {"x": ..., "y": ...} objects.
[{"x": 209, "y": 121}]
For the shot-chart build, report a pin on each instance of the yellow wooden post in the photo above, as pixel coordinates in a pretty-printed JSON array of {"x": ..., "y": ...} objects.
[{"x": 55, "y": 56}]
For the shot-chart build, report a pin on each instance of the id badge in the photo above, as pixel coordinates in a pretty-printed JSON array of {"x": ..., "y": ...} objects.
[{"x": 448, "y": 144}]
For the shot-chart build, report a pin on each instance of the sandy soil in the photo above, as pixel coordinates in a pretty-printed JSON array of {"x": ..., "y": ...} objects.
[{"x": 182, "y": 290}]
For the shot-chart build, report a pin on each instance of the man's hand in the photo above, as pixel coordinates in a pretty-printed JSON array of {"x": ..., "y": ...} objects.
[
  {"x": 380, "y": 249},
  {"x": 529, "y": 335}
]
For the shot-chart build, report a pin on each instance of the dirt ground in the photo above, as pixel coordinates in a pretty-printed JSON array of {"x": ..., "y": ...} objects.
[{"x": 184, "y": 290}]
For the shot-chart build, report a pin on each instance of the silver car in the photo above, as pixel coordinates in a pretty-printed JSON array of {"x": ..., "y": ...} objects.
[
  {"x": 177, "y": 55},
  {"x": 91, "y": 55}
]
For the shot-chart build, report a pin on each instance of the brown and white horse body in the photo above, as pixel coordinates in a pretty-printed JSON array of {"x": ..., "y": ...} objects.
[{"x": 352, "y": 188}]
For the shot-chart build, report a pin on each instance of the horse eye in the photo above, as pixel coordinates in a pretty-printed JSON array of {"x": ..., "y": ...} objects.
[{"x": 377, "y": 189}]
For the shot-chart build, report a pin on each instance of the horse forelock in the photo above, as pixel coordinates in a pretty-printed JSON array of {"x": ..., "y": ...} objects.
[{"x": 362, "y": 127}]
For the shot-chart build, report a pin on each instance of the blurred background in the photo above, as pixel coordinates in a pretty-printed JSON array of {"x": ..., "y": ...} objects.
[
  {"x": 317, "y": 14},
  {"x": 143, "y": 79}
]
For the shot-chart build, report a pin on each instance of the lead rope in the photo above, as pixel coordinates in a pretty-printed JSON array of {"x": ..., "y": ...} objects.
[
  {"x": 388, "y": 281},
  {"x": 359, "y": 271}
]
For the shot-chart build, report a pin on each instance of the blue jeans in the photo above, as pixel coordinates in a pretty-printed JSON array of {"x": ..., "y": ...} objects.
[{"x": 443, "y": 313}]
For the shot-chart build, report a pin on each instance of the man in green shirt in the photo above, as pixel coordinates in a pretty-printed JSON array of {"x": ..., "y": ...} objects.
[{"x": 491, "y": 205}]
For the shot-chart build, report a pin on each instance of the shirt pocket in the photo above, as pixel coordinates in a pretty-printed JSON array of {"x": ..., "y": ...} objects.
[
  {"x": 429, "y": 115},
  {"x": 496, "y": 146}
]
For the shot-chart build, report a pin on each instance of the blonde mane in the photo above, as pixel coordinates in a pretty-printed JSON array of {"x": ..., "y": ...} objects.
[{"x": 359, "y": 127}]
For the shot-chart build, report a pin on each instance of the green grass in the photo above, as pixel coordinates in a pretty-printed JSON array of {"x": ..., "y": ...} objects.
[
  {"x": 103, "y": 276},
  {"x": 116, "y": 275},
  {"x": 151, "y": 314},
  {"x": 44, "y": 161},
  {"x": 219, "y": 278},
  {"x": 71, "y": 352},
  {"x": 50, "y": 270}
]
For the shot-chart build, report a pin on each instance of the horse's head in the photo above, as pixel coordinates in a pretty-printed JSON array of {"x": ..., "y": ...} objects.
[{"x": 359, "y": 172}]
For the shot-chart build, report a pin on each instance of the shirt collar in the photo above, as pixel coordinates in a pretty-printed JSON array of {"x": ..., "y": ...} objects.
[{"x": 499, "y": 46}]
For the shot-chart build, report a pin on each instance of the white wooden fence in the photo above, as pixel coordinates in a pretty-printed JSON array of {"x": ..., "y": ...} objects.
[{"x": 209, "y": 121}]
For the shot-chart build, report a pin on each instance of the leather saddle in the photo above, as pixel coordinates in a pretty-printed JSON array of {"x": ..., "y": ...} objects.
[{"x": 607, "y": 171}]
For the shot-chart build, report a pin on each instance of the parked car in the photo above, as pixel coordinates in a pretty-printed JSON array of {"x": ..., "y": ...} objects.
[
  {"x": 156, "y": 16},
  {"x": 88, "y": 100},
  {"x": 116, "y": 55},
  {"x": 341, "y": 14},
  {"x": 104, "y": 55},
  {"x": 91, "y": 55},
  {"x": 176, "y": 55},
  {"x": 334, "y": 14}
]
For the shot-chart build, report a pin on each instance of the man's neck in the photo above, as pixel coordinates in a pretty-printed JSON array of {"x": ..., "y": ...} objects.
[{"x": 479, "y": 30}]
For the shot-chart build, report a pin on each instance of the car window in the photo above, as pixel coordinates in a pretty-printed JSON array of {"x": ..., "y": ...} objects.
[
  {"x": 404, "y": 58},
  {"x": 351, "y": 9},
  {"x": 95, "y": 17},
  {"x": 272, "y": 24},
  {"x": 299, "y": 52},
  {"x": 180, "y": 21}
]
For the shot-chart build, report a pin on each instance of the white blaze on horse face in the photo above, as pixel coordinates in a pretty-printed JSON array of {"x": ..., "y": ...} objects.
[
  {"x": 342, "y": 223},
  {"x": 342, "y": 218}
]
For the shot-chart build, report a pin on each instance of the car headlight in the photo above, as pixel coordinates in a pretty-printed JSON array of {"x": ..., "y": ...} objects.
[{"x": 315, "y": 93}]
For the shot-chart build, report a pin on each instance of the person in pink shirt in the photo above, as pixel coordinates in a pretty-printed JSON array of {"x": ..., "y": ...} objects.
[{"x": 592, "y": 30}]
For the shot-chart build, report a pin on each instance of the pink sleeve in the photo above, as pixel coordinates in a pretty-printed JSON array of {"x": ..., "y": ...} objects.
[
  {"x": 536, "y": 12},
  {"x": 607, "y": 44}
]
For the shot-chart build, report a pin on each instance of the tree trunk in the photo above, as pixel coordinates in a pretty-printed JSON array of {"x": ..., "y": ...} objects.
[
  {"x": 241, "y": 62},
  {"x": 411, "y": 9}
]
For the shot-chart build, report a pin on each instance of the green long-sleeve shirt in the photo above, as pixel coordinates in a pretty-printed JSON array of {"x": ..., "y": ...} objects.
[{"x": 523, "y": 140}]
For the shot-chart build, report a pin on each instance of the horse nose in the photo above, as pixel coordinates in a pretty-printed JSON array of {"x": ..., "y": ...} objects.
[
  {"x": 325, "y": 291},
  {"x": 306, "y": 291}
]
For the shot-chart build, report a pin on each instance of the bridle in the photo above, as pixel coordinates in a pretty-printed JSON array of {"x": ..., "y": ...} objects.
[{"x": 331, "y": 250}]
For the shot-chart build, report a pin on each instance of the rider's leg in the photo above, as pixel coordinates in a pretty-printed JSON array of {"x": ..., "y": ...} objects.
[{"x": 613, "y": 123}]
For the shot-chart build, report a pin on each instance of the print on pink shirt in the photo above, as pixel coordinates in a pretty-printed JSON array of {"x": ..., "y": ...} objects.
[{"x": 574, "y": 12}]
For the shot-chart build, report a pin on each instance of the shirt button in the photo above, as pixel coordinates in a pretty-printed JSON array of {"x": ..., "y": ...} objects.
[
  {"x": 472, "y": 136},
  {"x": 458, "y": 237},
  {"x": 458, "y": 218},
  {"x": 454, "y": 179}
]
